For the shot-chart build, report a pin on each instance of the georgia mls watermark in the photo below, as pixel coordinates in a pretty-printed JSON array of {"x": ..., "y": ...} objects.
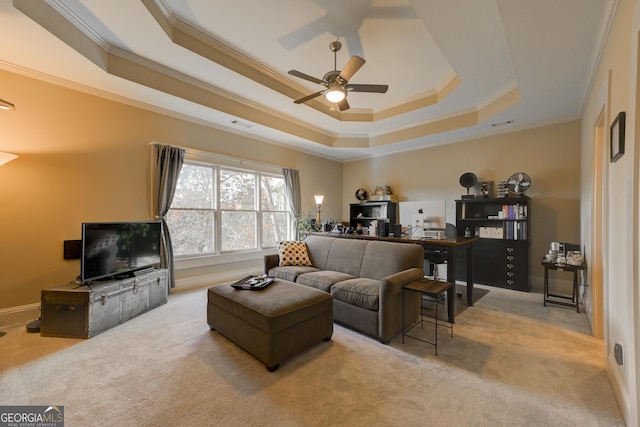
[{"x": 31, "y": 416}]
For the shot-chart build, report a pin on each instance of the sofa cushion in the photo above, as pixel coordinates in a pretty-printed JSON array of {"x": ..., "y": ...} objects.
[
  {"x": 382, "y": 259},
  {"x": 323, "y": 279},
  {"x": 346, "y": 255},
  {"x": 359, "y": 292},
  {"x": 291, "y": 272},
  {"x": 293, "y": 253},
  {"x": 318, "y": 250}
]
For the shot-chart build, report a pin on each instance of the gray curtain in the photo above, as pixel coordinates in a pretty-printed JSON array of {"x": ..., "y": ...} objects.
[
  {"x": 292, "y": 185},
  {"x": 168, "y": 163}
]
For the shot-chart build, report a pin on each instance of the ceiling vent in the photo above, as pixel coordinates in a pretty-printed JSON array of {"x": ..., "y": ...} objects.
[
  {"x": 246, "y": 125},
  {"x": 508, "y": 122}
]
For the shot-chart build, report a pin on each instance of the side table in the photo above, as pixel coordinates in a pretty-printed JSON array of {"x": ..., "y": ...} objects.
[
  {"x": 434, "y": 289},
  {"x": 566, "y": 300}
]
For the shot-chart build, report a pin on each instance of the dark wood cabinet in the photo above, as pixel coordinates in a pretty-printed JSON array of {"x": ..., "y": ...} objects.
[
  {"x": 501, "y": 256},
  {"x": 365, "y": 212}
]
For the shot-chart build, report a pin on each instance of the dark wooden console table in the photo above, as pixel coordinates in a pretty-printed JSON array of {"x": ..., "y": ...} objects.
[{"x": 447, "y": 247}]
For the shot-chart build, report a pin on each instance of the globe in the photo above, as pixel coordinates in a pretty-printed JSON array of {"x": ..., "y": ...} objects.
[{"x": 361, "y": 194}]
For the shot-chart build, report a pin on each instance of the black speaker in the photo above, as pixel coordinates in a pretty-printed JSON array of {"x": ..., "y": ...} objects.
[
  {"x": 397, "y": 230},
  {"x": 383, "y": 229},
  {"x": 72, "y": 249}
]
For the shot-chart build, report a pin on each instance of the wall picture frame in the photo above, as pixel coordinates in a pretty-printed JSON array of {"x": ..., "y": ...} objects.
[{"x": 617, "y": 136}]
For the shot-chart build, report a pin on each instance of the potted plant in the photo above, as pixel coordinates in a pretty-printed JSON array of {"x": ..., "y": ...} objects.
[{"x": 305, "y": 224}]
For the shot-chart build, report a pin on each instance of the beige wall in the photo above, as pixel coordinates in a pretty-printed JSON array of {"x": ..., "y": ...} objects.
[
  {"x": 84, "y": 158},
  {"x": 550, "y": 155},
  {"x": 615, "y": 89}
]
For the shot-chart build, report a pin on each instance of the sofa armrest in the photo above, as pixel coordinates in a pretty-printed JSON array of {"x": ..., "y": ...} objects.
[
  {"x": 270, "y": 261},
  {"x": 393, "y": 284},
  {"x": 390, "y": 319}
]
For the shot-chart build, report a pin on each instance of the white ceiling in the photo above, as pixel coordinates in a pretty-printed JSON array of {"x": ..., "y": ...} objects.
[{"x": 456, "y": 69}]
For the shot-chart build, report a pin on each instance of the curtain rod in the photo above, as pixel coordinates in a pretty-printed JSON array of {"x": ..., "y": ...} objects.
[{"x": 222, "y": 156}]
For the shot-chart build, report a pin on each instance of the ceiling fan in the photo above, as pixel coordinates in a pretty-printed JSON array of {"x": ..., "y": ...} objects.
[{"x": 336, "y": 81}]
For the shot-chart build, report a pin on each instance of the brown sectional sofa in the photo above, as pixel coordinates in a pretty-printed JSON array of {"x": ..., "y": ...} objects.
[{"x": 365, "y": 279}]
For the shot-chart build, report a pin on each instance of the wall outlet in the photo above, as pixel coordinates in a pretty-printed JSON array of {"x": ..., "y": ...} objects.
[{"x": 617, "y": 352}]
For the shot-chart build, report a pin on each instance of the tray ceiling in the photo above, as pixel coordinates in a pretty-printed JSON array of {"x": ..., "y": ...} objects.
[{"x": 455, "y": 70}]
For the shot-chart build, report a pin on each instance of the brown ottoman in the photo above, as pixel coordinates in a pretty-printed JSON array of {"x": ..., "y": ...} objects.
[{"x": 274, "y": 323}]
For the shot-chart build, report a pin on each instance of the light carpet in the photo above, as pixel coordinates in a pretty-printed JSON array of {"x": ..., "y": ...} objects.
[
  {"x": 512, "y": 362},
  {"x": 428, "y": 303}
]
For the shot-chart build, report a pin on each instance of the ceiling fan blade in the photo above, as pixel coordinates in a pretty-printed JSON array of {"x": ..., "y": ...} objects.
[
  {"x": 306, "y": 77},
  {"x": 343, "y": 105},
  {"x": 352, "y": 66},
  {"x": 367, "y": 88},
  {"x": 308, "y": 97}
]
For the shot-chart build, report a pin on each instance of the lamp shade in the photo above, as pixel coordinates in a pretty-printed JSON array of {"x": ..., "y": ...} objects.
[
  {"x": 6, "y": 105},
  {"x": 335, "y": 94},
  {"x": 319, "y": 198},
  {"x": 6, "y": 157}
]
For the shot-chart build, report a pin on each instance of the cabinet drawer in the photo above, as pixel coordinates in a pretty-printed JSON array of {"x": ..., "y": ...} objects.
[
  {"x": 516, "y": 248},
  {"x": 516, "y": 263},
  {"x": 518, "y": 283},
  {"x": 502, "y": 263}
]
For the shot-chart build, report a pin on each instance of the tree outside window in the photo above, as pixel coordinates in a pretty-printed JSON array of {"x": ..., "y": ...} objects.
[
  {"x": 191, "y": 219},
  {"x": 274, "y": 207},
  {"x": 217, "y": 209}
]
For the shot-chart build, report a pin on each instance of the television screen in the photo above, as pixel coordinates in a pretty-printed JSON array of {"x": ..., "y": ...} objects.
[{"x": 118, "y": 248}]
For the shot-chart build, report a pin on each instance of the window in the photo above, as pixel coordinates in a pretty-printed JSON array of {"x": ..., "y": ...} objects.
[
  {"x": 191, "y": 219},
  {"x": 218, "y": 209},
  {"x": 276, "y": 219}
]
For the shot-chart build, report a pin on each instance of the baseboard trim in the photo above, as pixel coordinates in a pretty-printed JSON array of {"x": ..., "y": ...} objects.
[
  {"x": 206, "y": 280},
  {"x": 20, "y": 314},
  {"x": 185, "y": 284},
  {"x": 19, "y": 309}
]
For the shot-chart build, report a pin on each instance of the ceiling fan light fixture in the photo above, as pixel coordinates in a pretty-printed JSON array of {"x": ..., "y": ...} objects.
[
  {"x": 335, "y": 94},
  {"x": 337, "y": 83}
]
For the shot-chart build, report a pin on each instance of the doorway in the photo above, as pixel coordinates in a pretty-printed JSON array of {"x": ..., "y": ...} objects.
[{"x": 597, "y": 224}]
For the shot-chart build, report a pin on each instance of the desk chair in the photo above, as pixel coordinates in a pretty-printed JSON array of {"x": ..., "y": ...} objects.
[
  {"x": 435, "y": 257},
  {"x": 432, "y": 259}
]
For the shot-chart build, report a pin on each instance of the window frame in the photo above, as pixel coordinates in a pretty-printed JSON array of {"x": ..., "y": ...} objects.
[{"x": 217, "y": 163}]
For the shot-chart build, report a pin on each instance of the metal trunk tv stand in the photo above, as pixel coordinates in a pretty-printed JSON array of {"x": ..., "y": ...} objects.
[{"x": 75, "y": 311}]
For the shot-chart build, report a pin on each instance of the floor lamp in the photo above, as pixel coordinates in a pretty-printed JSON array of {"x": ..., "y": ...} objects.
[
  {"x": 6, "y": 157},
  {"x": 319, "y": 199}
]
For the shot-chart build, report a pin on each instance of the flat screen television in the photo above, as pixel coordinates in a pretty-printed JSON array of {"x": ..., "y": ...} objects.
[{"x": 117, "y": 249}]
